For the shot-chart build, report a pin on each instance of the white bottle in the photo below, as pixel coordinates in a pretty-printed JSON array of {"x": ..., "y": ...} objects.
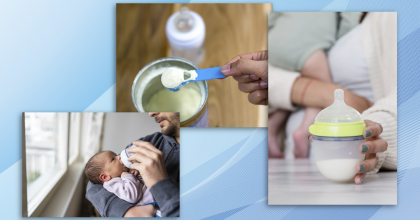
[
  {"x": 186, "y": 31},
  {"x": 125, "y": 155}
]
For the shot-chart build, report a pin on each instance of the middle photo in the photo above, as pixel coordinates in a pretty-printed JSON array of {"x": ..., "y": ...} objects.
[{"x": 197, "y": 59}]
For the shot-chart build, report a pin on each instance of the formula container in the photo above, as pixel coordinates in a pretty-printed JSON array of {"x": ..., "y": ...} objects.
[
  {"x": 147, "y": 86},
  {"x": 337, "y": 134},
  {"x": 186, "y": 31}
]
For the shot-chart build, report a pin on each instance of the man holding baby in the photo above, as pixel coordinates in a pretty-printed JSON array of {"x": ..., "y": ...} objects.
[{"x": 158, "y": 164}]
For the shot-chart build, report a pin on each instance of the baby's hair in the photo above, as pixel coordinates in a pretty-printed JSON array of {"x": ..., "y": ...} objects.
[{"x": 93, "y": 169}]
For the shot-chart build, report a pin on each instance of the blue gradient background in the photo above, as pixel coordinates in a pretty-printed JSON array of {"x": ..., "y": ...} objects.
[{"x": 60, "y": 56}]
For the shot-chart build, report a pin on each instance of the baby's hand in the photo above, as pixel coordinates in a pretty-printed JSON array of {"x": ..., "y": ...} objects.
[
  {"x": 134, "y": 172},
  {"x": 124, "y": 173}
]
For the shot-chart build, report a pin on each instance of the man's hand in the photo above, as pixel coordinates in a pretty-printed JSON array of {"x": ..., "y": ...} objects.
[
  {"x": 134, "y": 172},
  {"x": 151, "y": 165},
  {"x": 141, "y": 211}
]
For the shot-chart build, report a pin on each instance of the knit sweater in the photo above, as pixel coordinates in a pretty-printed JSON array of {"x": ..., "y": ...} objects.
[{"x": 379, "y": 39}]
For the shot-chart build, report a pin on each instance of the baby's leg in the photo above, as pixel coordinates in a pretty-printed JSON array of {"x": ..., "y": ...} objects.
[
  {"x": 300, "y": 136},
  {"x": 316, "y": 66},
  {"x": 275, "y": 119}
]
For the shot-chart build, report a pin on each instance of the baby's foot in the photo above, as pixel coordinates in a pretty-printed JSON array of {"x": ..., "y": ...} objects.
[
  {"x": 274, "y": 121},
  {"x": 273, "y": 148},
  {"x": 301, "y": 143}
]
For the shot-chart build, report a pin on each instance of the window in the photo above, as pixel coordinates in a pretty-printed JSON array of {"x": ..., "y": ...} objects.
[
  {"x": 46, "y": 153},
  {"x": 74, "y": 141},
  {"x": 92, "y": 133},
  {"x": 55, "y": 145}
]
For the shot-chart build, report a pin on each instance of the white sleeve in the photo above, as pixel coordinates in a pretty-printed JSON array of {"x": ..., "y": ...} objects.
[
  {"x": 384, "y": 112},
  {"x": 280, "y": 84}
]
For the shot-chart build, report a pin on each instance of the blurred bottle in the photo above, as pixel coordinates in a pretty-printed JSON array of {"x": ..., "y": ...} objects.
[{"x": 186, "y": 31}]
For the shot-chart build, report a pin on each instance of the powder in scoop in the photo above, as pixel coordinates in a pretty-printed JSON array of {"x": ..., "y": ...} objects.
[{"x": 173, "y": 77}]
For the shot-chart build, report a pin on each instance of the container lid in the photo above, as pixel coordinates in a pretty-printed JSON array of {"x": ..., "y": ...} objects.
[
  {"x": 185, "y": 29},
  {"x": 338, "y": 119}
]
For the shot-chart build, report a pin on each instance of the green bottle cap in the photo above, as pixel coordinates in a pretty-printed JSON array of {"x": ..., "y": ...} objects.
[{"x": 338, "y": 119}]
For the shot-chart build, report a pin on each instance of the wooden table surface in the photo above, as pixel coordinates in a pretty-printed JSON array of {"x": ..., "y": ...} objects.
[
  {"x": 231, "y": 29},
  {"x": 298, "y": 182}
]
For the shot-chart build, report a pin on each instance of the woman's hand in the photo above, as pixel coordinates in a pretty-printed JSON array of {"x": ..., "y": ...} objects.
[
  {"x": 374, "y": 144},
  {"x": 251, "y": 72},
  {"x": 150, "y": 162}
]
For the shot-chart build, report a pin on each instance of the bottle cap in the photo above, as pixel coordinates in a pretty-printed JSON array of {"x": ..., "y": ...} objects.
[{"x": 338, "y": 119}]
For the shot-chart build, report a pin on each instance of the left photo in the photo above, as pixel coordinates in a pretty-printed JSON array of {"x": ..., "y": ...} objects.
[{"x": 97, "y": 164}]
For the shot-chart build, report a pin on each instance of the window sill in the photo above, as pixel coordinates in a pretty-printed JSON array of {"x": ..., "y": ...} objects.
[{"x": 65, "y": 201}]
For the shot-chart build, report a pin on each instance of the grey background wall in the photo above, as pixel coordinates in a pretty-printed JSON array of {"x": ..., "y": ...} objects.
[{"x": 120, "y": 129}]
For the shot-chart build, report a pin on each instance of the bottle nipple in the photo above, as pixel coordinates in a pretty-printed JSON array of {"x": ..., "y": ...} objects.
[
  {"x": 184, "y": 22},
  {"x": 339, "y": 96}
]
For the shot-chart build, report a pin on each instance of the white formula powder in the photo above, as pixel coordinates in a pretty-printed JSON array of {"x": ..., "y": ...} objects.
[
  {"x": 186, "y": 101},
  {"x": 173, "y": 77},
  {"x": 338, "y": 169}
]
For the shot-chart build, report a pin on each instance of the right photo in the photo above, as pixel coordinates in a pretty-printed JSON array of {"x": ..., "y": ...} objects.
[{"x": 332, "y": 125}]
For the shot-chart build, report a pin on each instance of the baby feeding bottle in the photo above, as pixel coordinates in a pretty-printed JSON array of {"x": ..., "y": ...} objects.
[
  {"x": 337, "y": 134},
  {"x": 186, "y": 31},
  {"x": 125, "y": 155}
]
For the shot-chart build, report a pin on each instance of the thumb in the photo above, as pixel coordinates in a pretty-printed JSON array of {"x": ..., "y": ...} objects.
[{"x": 247, "y": 67}]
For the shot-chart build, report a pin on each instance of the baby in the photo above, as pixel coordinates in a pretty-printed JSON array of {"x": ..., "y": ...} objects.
[
  {"x": 107, "y": 168},
  {"x": 298, "y": 41}
]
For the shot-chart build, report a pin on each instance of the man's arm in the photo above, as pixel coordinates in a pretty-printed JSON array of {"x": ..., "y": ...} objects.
[
  {"x": 106, "y": 203},
  {"x": 152, "y": 168},
  {"x": 141, "y": 211},
  {"x": 167, "y": 196}
]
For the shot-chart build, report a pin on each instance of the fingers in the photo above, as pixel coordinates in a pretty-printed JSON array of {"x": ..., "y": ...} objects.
[
  {"x": 252, "y": 86},
  {"x": 372, "y": 129},
  {"x": 134, "y": 172},
  {"x": 260, "y": 55},
  {"x": 374, "y": 145},
  {"x": 144, "y": 152},
  {"x": 246, "y": 78},
  {"x": 369, "y": 163},
  {"x": 310, "y": 138},
  {"x": 359, "y": 178},
  {"x": 143, "y": 144},
  {"x": 247, "y": 67},
  {"x": 259, "y": 97}
]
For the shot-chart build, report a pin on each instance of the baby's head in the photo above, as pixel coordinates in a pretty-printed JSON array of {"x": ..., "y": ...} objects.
[{"x": 104, "y": 166}]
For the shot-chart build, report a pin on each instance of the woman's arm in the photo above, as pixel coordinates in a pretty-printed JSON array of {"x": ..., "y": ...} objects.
[{"x": 321, "y": 94}]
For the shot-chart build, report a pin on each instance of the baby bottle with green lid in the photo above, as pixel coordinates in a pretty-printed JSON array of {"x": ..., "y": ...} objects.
[{"x": 337, "y": 134}]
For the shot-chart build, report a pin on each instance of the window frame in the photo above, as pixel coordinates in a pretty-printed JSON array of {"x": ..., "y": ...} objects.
[
  {"x": 50, "y": 182},
  {"x": 75, "y": 131}
]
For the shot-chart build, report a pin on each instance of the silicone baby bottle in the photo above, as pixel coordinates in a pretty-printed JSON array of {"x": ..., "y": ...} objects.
[
  {"x": 337, "y": 134},
  {"x": 125, "y": 155}
]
